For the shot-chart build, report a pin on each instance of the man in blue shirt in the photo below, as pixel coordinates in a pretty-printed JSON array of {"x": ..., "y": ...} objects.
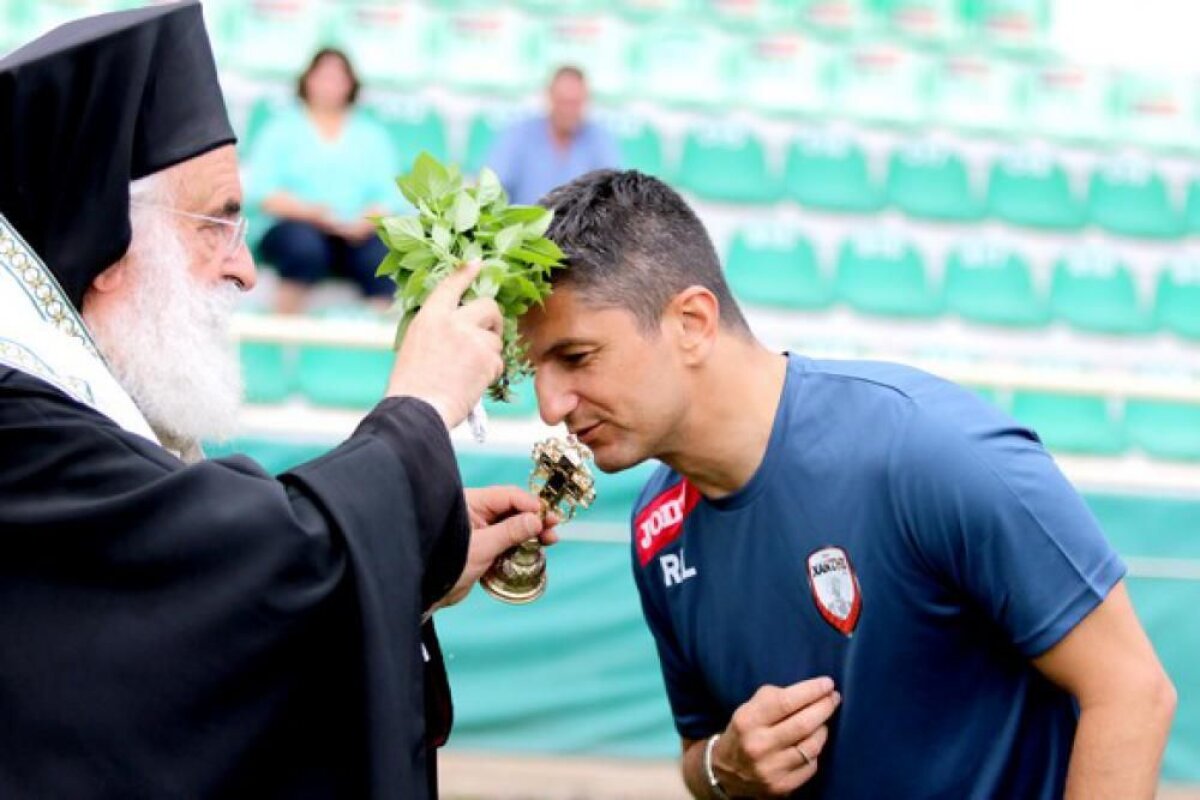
[
  {"x": 542, "y": 152},
  {"x": 863, "y": 581}
]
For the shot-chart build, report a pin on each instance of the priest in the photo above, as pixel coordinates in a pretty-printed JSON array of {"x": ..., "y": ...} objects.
[{"x": 172, "y": 626}]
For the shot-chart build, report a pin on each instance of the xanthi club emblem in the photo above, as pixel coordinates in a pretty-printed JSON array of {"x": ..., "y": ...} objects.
[{"x": 835, "y": 588}]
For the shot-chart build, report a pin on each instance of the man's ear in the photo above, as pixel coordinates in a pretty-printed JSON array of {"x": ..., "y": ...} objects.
[
  {"x": 694, "y": 315},
  {"x": 106, "y": 285}
]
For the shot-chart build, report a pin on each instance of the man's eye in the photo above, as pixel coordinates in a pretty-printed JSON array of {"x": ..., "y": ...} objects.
[{"x": 575, "y": 359}]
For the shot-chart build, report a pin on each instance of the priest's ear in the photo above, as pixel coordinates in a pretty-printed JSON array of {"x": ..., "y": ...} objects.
[{"x": 107, "y": 285}]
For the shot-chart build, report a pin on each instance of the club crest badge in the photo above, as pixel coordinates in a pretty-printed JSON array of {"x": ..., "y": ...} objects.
[{"x": 835, "y": 590}]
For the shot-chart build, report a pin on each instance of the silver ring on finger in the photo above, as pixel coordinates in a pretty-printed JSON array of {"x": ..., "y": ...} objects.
[{"x": 807, "y": 758}]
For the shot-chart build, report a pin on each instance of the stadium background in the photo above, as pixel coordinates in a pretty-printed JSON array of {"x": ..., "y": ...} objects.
[{"x": 1004, "y": 192}]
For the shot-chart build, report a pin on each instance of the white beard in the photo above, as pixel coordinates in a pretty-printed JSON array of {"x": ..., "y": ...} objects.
[{"x": 168, "y": 345}]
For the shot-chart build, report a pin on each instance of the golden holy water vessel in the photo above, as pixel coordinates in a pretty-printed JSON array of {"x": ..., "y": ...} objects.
[{"x": 563, "y": 482}]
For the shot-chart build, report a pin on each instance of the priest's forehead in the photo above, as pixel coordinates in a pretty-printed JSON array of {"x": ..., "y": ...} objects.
[{"x": 209, "y": 183}]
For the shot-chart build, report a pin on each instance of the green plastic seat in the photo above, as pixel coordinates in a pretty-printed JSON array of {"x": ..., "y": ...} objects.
[
  {"x": 342, "y": 377},
  {"x": 488, "y": 51},
  {"x": 276, "y": 40},
  {"x": 839, "y": 19},
  {"x": 726, "y": 163},
  {"x": 1068, "y": 102},
  {"x": 1191, "y": 211},
  {"x": 1092, "y": 290},
  {"x": 1129, "y": 198},
  {"x": 991, "y": 394},
  {"x": 992, "y": 284},
  {"x": 884, "y": 274},
  {"x": 266, "y": 374},
  {"x": 557, "y": 7},
  {"x": 481, "y": 135},
  {"x": 596, "y": 43},
  {"x": 1163, "y": 429},
  {"x": 415, "y": 129},
  {"x": 1033, "y": 190},
  {"x": 643, "y": 11},
  {"x": 1155, "y": 111},
  {"x": 391, "y": 44},
  {"x": 881, "y": 82},
  {"x": 785, "y": 73},
  {"x": 640, "y": 143},
  {"x": 831, "y": 173},
  {"x": 751, "y": 15},
  {"x": 776, "y": 266},
  {"x": 1177, "y": 298},
  {"x": 522, "y": 406},
  {"x": 1071, "y": 423},
  {"x": 925, "y": 22},
  {"x": 682, "y": 64},
  {"x": 1011, "y": 25},
  {"x": 929, "y": 181},
  {"x": 972, "y": 92}
]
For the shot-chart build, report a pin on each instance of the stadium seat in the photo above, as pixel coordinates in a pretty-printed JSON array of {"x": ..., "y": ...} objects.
[
  {"x": 391, "y": 44},
  {"x": 415, "y": 128},
  {"x": 658, "y": 53},
  {"x": 837, "y": 18},
  {"x": 992, "y": 284},
  {"x": 751, "y": 15},
  {"x": 1177, "y": 298},
  {"x": 830, "y": 173},
  {"x": 881, "y": 82},
  {"x": 265, "y": 372},
  {"x": 975, "y": 92},
  {"x": 726, "y": 163},
  {"x": 1129, "y": 198},
  {"x": 1068, "y": 102},
  {"x": 342, "y": 377},
  {"x": 643, "y": 11},
  {"x": 880, "y": 273},
  {"x": 564, "y": 6},
  {"x": 488, "y": 50},
  {"x": 1071, "y": 423},
  {"x": 1164, "y": 429},
  {"x": 1013, "y": 25},
  {"x": 1156, "y": 111},
  {"x": 1093, "y": 290},
  {"x": 785, "y": 73},
  {"x": 275, "y": 40},
  {"x": 641, "y": 146},
  {"x": 926, "y": 22},
  {"x": 481, "y": 135},
  {"x": 1033, "y": 189},
  {"x": 522, "y": 406},
  {"x": 928, "y": 181},
  {"x": 596, "y": 43},
  {"x": 775, "y": 266},
  {"x": 1191, "y": 210}
]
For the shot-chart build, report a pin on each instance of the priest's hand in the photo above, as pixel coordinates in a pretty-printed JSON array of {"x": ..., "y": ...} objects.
[
  {"x": 501, "y": 517},
  {"x": 450, "y": 353}
]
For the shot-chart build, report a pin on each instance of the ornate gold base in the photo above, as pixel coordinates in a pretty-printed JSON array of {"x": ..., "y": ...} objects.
[{"x": 518, "y": 576}]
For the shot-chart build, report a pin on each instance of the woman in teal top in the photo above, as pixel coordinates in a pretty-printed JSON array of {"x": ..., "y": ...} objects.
[{"x": 318, "y": 170}]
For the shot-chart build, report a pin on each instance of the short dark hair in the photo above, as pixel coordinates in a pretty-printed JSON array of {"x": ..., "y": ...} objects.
[
  {"x": 568, "y": 71},
  {"x": 330, "y": 52},
  {"x": 632, "y": 242}
]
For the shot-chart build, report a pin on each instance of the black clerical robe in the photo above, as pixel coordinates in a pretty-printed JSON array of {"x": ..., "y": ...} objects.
[{"x": 209, "y": 630}]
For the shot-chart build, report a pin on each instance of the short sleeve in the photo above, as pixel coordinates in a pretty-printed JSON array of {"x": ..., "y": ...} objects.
[
  {"x": 991, "y": 515},
  {"x": 267, "y": 162}
]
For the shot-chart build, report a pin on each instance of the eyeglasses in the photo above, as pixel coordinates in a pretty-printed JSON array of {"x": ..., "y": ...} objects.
[{"x": 224, "y": 235}]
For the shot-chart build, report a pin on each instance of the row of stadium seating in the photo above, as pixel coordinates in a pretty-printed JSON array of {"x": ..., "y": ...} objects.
[
  {"x": 985, "y": 282},
  {"x": 1126, "y": 195},
  {"x": 348, "y": 378}
]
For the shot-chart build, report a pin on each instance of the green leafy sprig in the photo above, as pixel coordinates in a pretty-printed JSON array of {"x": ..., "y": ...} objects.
[{"x": 456, "y": 223}]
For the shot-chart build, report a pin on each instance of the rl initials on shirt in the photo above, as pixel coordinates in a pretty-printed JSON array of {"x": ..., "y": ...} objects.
[{"x": 675, "y": 569}]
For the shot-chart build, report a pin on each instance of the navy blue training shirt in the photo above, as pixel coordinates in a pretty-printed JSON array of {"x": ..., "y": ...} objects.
[{"x": 911, "y": 541}]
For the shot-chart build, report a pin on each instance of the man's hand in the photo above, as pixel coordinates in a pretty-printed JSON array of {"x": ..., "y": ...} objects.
[
  {"x": 501, "y": 517},
  {"x": 775, "y": 739},
  {"x": 450, "y": 352}
]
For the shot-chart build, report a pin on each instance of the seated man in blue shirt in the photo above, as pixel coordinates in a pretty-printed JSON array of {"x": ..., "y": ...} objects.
[
  {"x": 863, "y": 581},
  {"x": 542, "y": 152}
]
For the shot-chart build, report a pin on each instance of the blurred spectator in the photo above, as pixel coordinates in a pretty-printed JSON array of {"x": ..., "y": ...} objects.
[
  {"x": 538, "y": 154},
  {"x": 319, "y": 169}
]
